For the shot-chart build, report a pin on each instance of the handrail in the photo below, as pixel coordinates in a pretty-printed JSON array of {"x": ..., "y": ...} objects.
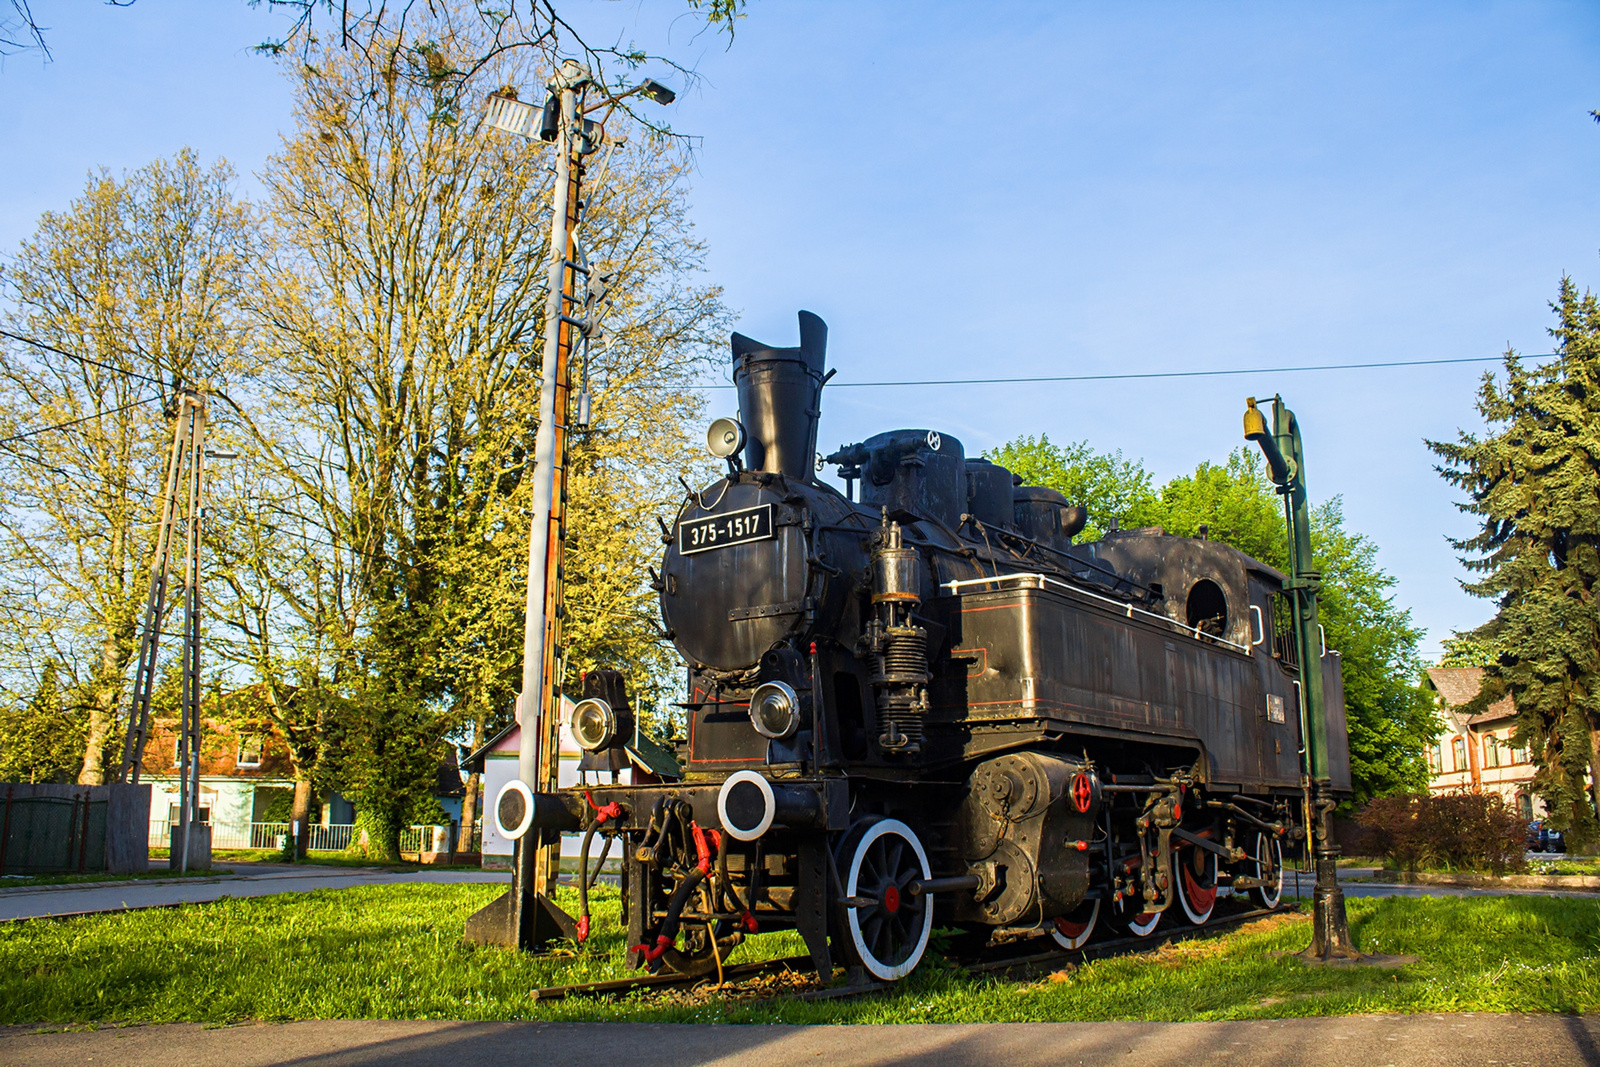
[{"x": 1126, "y": 608}]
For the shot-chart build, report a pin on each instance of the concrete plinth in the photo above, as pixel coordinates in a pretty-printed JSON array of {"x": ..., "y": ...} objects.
[{"x": 199, "y": 848}]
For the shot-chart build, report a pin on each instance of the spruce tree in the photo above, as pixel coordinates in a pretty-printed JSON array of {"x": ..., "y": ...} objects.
[{"x": 1534, "y": 479}]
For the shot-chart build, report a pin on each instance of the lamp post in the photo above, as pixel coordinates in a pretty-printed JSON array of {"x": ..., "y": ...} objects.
[
  {"x": 1330, "y": 939},
  {"x": 526, "y": 917}
]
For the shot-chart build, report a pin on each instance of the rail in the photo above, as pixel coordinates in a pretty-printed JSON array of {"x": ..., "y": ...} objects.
[{"x": 1041, "y": 580}]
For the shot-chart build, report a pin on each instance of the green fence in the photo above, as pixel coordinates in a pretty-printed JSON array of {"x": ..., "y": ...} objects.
[{"x": 46, "y": 835}]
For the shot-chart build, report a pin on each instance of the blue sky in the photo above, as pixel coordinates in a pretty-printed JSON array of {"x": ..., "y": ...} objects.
[{"x": 1052, "y": 188}]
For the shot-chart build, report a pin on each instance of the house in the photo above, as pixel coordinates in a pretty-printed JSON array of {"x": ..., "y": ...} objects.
[
  {"x": 247, "y": 783},
  {"x": 1473, "y": 753}
]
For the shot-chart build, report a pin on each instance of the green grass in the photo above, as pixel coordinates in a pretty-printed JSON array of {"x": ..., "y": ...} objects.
[{"x": 395, "y": 952}]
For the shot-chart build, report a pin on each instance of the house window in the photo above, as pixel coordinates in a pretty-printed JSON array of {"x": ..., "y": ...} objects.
[
  {"x": 174, "y": 815},
  {"x": 1491, "y": 751},
  {"x": 1525, "y": 805},
  {"x": 1435, "y": 759},
  {"x": 1458, "y": 752},
  {"x": 249, "y": 751}
]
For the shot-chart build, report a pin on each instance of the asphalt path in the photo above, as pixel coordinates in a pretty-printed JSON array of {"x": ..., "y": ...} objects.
[
  {"x": 238, "y": 880},
  {"x": 1397, "y": 1040}
]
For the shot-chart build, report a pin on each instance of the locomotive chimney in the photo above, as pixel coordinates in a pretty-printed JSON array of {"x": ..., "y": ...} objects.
[{"x": 780, "y": 394}]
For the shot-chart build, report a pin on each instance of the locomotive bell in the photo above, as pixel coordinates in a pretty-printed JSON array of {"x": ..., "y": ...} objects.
[{"x": 724, "y": 437}]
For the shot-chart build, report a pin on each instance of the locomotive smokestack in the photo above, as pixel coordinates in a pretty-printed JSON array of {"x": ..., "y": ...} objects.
[{"x": 780, "y": 393}]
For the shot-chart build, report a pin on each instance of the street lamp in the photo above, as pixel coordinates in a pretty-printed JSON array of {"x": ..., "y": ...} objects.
[
  {"x": 1330, "y": 939},
  {"x": 526, "y": 917}
]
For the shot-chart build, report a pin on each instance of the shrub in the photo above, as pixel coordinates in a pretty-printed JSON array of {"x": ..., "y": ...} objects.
[{"x": 1456, "y": 831}]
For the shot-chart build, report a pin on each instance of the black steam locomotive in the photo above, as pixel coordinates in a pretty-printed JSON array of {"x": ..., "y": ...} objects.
[{"x": 918, "y": 701}]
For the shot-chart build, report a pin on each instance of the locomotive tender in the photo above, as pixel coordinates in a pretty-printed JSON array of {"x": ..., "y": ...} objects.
[{"x": 919, "y": 701}]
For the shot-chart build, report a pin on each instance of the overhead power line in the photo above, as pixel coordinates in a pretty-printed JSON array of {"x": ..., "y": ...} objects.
[
  {"x": 81, "y": 359},
  {"x": 74, "y": 422},
  {"x": 1161, "y": 374}
]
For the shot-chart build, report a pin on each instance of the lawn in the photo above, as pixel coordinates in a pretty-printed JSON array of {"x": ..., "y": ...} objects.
[{"x": 395, "y": 952}]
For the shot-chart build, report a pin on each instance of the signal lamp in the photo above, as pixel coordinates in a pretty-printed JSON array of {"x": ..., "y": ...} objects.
[
  {"x": 657, "y": 92},
  {"x": 724, "y": 437},
  {"x": 594, "y": 724},
  {"x": 775, "y": 710}
]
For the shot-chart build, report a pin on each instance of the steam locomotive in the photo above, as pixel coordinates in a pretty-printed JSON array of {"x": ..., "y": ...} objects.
[{"x": 920, "y": 701}]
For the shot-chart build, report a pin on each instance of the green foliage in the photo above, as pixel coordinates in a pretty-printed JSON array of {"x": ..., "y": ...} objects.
[
  {"x": 1457, "y": 831},
  {"x": 1533, "y": 479},
  {"x": 1112, "y": 487},
  {"x": 385, "y": 750},
  {"x": 1391, "y": 716},
  {"x": 395, "y": 952},
  {"x": 42, "y": 740}
]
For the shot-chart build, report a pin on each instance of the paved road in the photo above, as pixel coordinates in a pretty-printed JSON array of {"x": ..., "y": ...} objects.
[
  {"x": 243, "y": 880},
  {"x": 1449, "y": 1040}
]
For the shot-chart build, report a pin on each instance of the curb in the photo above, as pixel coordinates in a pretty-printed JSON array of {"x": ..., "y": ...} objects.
[{"x": 1488, "y": 881}]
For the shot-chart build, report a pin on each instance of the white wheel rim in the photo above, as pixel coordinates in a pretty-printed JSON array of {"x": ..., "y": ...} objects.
[
  {"x": 876, "y": 967},
  {"x": 1269, "y": 846},
  {"x": 1181, "y": 870},
  {"x": 1146, "y": 929},
  {"x": 1088, "y": 930}
]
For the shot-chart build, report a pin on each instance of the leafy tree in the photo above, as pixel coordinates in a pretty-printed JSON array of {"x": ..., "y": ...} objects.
[
  {"x": 1533, "y": 478},
  {"x": 1390, "y": 715},
  {"x": 143, "y": 275},
  {"x": 392, "y": 433},
  {"x": 1114, "y": 489},
  {"x": 41, "y": 740}
]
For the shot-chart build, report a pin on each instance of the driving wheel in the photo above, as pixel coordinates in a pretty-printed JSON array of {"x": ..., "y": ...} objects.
[{"x": 887, "y": 928}]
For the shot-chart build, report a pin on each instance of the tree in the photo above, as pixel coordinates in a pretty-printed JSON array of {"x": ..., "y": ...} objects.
[
  {"x": 1533, "y": 479},
  {"x": 1391, "y": 718},
  {"x": 1116, "y": 490},
  {"x": 402, "y": 310},
  {"x": 41, "y": 740},
  {"x": 132, "y": 290}
]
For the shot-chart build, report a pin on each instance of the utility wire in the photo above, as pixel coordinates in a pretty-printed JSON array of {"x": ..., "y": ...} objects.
[
  {"x": 1166, "y": 374},
  {"x": 82, "y": 359},
  {"x": 74, "y": 422}
]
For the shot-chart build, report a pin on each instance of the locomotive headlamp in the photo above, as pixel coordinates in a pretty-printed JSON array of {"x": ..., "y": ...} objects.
[
  {"x": 724, "y": 437},
  {"x": 594, "y": 724},
  {"x": 774, "y": 710}
]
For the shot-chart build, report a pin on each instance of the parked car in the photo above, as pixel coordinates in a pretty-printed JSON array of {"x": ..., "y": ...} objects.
[{"x": 1542, "y": 838}]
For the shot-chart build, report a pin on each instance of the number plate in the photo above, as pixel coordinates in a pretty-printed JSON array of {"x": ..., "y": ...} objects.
[{"x": 730, "y": 528}]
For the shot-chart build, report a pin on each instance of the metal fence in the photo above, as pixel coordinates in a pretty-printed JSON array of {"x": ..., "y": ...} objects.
[
  {"x": 269, "y": 835},
  {"x": 49, "y": 834}
]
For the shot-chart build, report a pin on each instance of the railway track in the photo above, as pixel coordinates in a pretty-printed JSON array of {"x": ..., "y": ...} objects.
[{"x": 1016, "y": 959}]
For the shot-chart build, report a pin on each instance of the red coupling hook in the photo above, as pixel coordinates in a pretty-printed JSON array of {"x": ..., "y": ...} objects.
[
  {"x": 613, "y": 810},
  {"x": 703, "y": 850},
  {"x": 583, "y": 929},
  {"x": 663, "y": 942},
  {"x": 750, "y": 923}
]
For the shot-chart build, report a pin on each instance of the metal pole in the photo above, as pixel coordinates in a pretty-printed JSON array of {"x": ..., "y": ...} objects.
[
  {"x": 537, "y": 628},
  {"x": 191, "y": 618},
  {"x": 155, "y": 606},
  {"x": 1330, "y": 937}
]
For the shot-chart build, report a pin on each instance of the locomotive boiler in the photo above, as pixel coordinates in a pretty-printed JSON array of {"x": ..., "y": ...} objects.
[{"x": 921, "y": 701}]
